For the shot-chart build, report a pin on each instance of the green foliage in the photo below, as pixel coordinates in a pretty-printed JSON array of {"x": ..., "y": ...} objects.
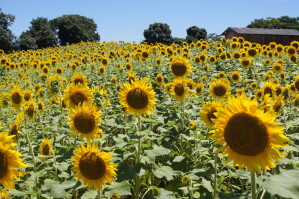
[
  {"x": 195, "y": 33},
  {"x": 158, "y": 32},
  {"x": 41, "y": 31},
  {"x": 26, "y": 41},
  {"x": 283, "y": 22},
  {"x": 74, "y": 29},
  {"x": 6, "y": 36}
]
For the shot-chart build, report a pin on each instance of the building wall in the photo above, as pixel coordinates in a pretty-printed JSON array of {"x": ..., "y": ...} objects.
[{"x": 264, "y": 39}]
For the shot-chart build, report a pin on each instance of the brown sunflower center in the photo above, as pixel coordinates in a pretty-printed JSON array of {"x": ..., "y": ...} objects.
[
  {"x": 219, "y": 90},
  {"x": 77, "y": 97},
  {"x": 211, "y": 114},
  {"x": 159, "y": 79},
  {"x": 297, "y": 84},
  {"x": 16, "y": 98},
  {"x": 179, "y": 89},
  {"x": 84, "y": 122},
  {"x": 46, "y": 149},
  {"x": 246, "y": 134},
  {"x": 13, "y": 130},
  {"x": 235, "y": 76},
  {"x": 268, "y": 90},
  {"x": 291, "y": 51},
  {"x": 3, "y": 164},
  {"x": 27, "y": 96},
  {"x": 40, "y": 106},
  {"x": 198, "y": 89},
  {"x": 78, "y": 81},
  {"x": 178, "y": 68},
  {"x": 30, "y": 110},
  {"x": 278, "y": 90},
  {"x": 92, "y": 166},
  {"x": 137, "y": 98}
]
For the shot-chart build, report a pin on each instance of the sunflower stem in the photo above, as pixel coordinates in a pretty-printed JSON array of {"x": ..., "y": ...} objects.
[
  {"x": 253, "y": 185},
  {"x": 137, "y": 161},
  {"x": 215, "y": 177},
  {"x": 99, "y": 194}
]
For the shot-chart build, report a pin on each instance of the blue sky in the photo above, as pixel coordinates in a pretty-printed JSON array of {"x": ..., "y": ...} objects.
[{"x": 126, "y": 20}]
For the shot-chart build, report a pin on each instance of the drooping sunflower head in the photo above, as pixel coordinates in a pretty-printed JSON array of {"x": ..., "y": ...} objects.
[
  {"x": 75, "y": 95},
  {"x": 180, "y": 67},
  {"x": 179, "y": 89},
  {"x": 220, "y": 88},
  {"x": 269, "y": 88},
  {"x": 93, "y": 167},
  {"x": 46, "y": 148},
  {"x": 249, "y": 136},
  {"x": 27, "y": 95},
  {"x": 138, "y": 97},
  {"x": 208, "y": 111},
  {"x": 84, "y": 120},
  {"x": 16, "y": 97},
  {"x": 199, "y": 88},
  {"x": 235, "y": 76},
  {"x": 79, "y": 78},
  {"x": 30, "y": 109}
]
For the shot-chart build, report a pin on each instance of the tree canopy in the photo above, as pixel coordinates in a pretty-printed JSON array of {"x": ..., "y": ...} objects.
[
  {"x": 74, "y": 29},
  {"x": 6, "y": 36},
  {"x": 283, "y": 22},
  {"x": 158, "y": 32},
  {"x": 195, "y": 33}
]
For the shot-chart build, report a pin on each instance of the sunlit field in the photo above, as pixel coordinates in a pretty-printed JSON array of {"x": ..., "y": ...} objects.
[{"x": 126, "y": 120}]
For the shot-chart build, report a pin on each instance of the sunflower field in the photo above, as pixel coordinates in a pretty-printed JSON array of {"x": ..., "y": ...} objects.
[{"x": 127, "y": 120}]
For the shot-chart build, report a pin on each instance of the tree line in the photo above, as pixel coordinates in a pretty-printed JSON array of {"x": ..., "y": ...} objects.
[{"x": 69, "y": 29}]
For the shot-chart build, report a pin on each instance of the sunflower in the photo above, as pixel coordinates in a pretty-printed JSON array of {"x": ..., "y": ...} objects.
[
  {"x": 219, "y": 88},
  {"x": 213, "y": 59},
  {"x": 199, "y": 88},
  {"x": 4, "y": 195},
  {"x": 180, "y": 67},
  {"x": 277, "y": 67},
  {"x": 246, "y": 62},
  {"x": 248, "y": 134},
  {"x": 54, "y": 85},
  {"x": 4, "y": 100},
  {"x": 278, "y": 104},
  {"x": 253, "y": 85},
  {"x": 9, "y": 161},
  {"x": 297, "y": 83},
  {"x": 101, "y": 70},
  {"x": 84, "y": 120},
  {"x": 16, "y": 97},
  {"x": 290, "y": 50},
  {"x": 208, "y": 111},
  {"x": 168, "y": 87},
  {"x": 138, "y": 97},
  {"x": 45, "y": 148},
  {"x": 27, "y": 95},
  {"x": 236, "y": 55},
  {"x": 30, "y": 109},
  {"x": 79, "y": 78},
  {"x": 196, "y": 59},
  {"x": 235, "y": 76},
  {"x": 179, "y": 89},
  {"x": 221, "y": 74},
  {"x": 76, "y": 94},
  {"x": 269, "y": 88},
  {"x": 159, "y": 79},
  {"x": 14, "y": 128},
  {"x": 93, "y": 167},
  {"x": 192, "y": 125},
  {"x": 158, "y": 61}
]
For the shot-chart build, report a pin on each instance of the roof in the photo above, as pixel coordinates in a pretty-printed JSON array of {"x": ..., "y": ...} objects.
[{"x": 263, "y": 31}]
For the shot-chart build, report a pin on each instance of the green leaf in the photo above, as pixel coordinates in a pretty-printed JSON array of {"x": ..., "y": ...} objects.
[
  {"x": 89, "y": 194},
  {"x": 164, "y": 171},
  {"x": 58, "y": 190},
  {"x": 164, "y": 194},
  {"x": 284, "y": 184},
  {"x": 121, "y": 188},
  {"x": 207, "y": 184},
  {"x": 126, "y": 172}
]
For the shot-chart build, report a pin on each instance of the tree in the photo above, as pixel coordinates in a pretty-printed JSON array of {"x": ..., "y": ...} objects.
[
  {"x": 74, "y": 29},
  {"x": 283, "y": 22},
  {"x": 41, "y": 31},
  {"x": 158, "y": 32},
  {"x": 195, "y": 33},
  {"x": 26, "y": 41},
  {"x": 7, "y": 38}
]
